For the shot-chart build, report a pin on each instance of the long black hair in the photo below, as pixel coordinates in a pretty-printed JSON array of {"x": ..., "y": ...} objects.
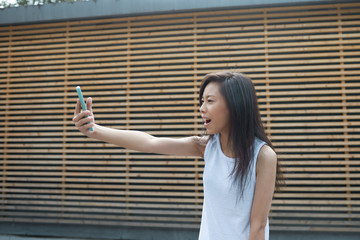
[{"x": 245, "y": 120}]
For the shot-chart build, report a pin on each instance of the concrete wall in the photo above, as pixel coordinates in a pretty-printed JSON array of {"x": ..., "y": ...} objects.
[{"x": 101, "y": 8}]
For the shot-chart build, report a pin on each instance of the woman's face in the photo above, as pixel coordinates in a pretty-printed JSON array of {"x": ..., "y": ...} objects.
[{"x": 214, "y": 110}]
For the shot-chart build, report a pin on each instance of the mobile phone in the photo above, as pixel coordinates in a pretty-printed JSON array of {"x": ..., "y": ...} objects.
[{"x": 82, "y": 102}]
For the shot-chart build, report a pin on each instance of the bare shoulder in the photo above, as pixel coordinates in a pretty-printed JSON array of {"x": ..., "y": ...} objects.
[{"x": 267, "y": 157}]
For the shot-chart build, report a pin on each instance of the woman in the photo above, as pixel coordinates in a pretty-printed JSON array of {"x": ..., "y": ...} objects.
[{"x": 240, "y": 163}]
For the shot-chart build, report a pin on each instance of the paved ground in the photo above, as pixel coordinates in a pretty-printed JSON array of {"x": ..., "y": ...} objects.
[{"x": 8, "y": 237}]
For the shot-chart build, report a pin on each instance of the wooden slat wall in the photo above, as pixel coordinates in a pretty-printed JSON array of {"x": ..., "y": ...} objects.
[{"x": 144, "y": 73}]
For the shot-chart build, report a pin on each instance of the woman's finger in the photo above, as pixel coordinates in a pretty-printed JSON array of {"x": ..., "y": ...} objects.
[
  {"x": 89, "y": 104},
  {"x": 84, "y": 126},
  {"x": 77, "y": 107},
  {"x": 81, "y": 115},
  {"x": 84, "y": 121}
]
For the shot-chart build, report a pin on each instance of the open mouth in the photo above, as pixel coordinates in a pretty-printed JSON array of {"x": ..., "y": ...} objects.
[{"x": 207, "y": 122}]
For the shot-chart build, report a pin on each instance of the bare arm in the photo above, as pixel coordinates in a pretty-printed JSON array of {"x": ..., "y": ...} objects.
[
  {"x": 135, "y": 140},
  {"x": 264, "y": 190}
]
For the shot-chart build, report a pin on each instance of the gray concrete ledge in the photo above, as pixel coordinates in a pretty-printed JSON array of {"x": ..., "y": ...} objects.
[
  {"x": 39, "y": 231},
  {"x": 106, "y": 8}
]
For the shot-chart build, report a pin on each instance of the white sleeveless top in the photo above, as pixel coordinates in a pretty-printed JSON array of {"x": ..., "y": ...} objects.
[{"x": 225, "y": 215}]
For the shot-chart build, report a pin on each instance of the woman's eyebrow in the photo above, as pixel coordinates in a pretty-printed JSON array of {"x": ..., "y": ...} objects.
[{"x": 210, "y": 95}]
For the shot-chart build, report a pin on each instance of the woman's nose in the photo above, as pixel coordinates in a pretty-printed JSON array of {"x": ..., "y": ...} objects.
[{"x": 202, "y": 108}]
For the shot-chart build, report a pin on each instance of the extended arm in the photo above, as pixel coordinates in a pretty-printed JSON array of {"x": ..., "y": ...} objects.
[
  {"x": 264, "y": 191},
  {"x": 135, "y": 140}
]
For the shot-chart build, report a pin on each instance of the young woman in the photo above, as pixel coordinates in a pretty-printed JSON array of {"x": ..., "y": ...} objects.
[{"x": 240, "y": 163}]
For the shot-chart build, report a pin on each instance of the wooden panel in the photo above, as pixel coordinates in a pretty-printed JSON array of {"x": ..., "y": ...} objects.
[{"x": 143, "y": 73}]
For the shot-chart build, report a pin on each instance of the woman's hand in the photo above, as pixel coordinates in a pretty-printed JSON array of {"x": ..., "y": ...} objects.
[{"x": 84, "y": 120}]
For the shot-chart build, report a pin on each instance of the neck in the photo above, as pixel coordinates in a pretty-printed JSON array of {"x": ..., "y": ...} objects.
[{"x": 226, "y": 145}]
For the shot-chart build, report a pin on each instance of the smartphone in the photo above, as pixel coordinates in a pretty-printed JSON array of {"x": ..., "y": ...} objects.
[{"x": 82, "y": 102}]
